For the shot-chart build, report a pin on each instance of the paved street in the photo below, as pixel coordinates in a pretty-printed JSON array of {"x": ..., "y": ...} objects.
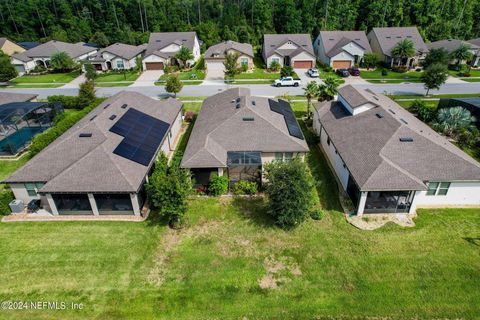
[{"x": 257, "y": 89}]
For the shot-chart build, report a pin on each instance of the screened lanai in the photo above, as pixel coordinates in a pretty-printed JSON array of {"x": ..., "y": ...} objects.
[{"x": 21, "y": 121}]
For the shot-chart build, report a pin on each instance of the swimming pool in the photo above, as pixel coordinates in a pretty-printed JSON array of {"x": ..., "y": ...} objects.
[{"x": 19, "y": 138}]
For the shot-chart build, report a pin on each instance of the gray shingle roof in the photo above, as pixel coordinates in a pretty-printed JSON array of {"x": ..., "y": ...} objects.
[
  {"x": 221, "y": 48},
  {"x": 475, "y": 41},
  {"x": 160, "y": 40},
  {"x": 220, "y": 128},
  {"x": 357, "y": 98},
  {"x": 2, "y": 42},
  {"x": 271, "y": 42},
  {"x": 75, "y": 164},
  {"x": 122, "y": 50},
  {"x": 376, "y": 158},
  {"x": 333, "y": 41},
  {"x": 452, "y": 44},
  {"x": 7, "y": 97},
  {"x": 47, "y": 49},
  {"x": 389, "y": 37}
]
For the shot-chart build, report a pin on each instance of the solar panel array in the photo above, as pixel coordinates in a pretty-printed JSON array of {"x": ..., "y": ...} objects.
[
  {"x": 283, "y": 107},
  {"x": 142, "y": 136}
]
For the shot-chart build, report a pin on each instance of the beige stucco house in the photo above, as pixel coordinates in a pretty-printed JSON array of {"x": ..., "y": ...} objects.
[{"x": 9, "y": 47}]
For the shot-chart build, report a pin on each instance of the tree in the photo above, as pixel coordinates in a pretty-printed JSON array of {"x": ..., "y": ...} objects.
[
  {"x": 100, "y": 39},
  {"x": 286, "y": 71},
  {"x": 462, "y": 53},
  {"x": 403, "y": 50},
  {"x": 453, "y": 120},
  {"x": 370, "y": 60},
  {"x": 7, "y": 69},
  {"x": 231, "y": 68},
  {"x": 288, "y": 191},
  {"x": 61, "y": 62},
  {"x": 86, "y": 94},
  {"x": 90, "y": 72},
  {"x": 434, "y": 76},
  {"x": 173, "y": 84},
  {"x": 274, "y": 66},
  {"x": 329, "y": 88},
  {"x": 168, "y": 189},
  {"x": 184, "y": 54},
  {"x": 311, "y": 91},
  {"x": 436, "y": 56}
]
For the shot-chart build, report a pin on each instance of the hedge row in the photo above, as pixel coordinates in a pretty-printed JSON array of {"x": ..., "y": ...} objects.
[
  {"x": 6, "y": 197},
  {"x": 62, "y": 124}
]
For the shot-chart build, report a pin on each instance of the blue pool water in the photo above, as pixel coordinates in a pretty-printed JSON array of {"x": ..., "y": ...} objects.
[{"x": 19, "y": 138}]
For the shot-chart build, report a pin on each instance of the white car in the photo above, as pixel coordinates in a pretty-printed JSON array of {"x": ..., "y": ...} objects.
[
  {"x": 287, "y": 82},
  {"x": 313, "y": 73}
]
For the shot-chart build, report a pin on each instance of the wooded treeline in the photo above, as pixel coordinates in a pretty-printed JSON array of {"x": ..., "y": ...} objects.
[{"x": 130, "y": 21}]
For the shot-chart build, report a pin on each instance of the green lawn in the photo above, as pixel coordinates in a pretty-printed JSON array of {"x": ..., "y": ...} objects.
[
  {"x": 473, "y": 73},
  {"x": 471, "y": 79},
  {"x": 265, "y": 81},
  {"x": 33, "y": 85},
  {"x": 192, "y": 106},
  {"x": 437, "y": 96},
  {"x": 114, "y": 84},
  {"x": 186, "y": 75},
  {"x": 377, "y": 74},
  {"x": 258, "y": 73},
  {"x": 7, "y": 167},
  {"x": 117, "y": 76},
  {"x": 395, "y": 81},
  {"x": 46, "y": 78}
]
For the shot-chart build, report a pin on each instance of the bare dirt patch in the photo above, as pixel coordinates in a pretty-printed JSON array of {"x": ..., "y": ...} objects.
[{"x": 279, "y": 271}]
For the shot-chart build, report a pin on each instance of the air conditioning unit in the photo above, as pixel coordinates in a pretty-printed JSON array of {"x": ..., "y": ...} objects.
[{"x": 16, "y": 206}]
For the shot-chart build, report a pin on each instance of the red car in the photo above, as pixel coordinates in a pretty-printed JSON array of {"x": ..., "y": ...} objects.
[{"x": 354, "y": 71}]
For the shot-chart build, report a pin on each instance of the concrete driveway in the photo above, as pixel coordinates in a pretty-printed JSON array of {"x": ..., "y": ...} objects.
[
  {"x": 147, "y": 78},
  {"x": 215, "y": 70},
  {"x": 304, "y": 77}
]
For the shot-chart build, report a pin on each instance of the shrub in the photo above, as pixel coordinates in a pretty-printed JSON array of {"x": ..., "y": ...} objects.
[
  {"x": 218, "y": 185},
  {"x": 39, "y": 69},
  {"x": 274, "y": 66},
  {"x": 43, "y": 139},
  {"x": 424, "y": 112},
  {"x": 468, "y": 138},
  {"x": 245, "y": 187},
  {"x": 400, "y": 69},
  {"x": 286, "y": 71},
  {"x": 384, "y": 72},
  {"x": 244, "y": 67},
  {"x": 6, "y": 197},
  {"x": 7, "y": 69},
  {"x": 67, "y": 102},
  {"x": 173, "y": 85},
  {"x": 317, "y": 214},
  {"x": 189, "y": 116},
  {"x": 200, "y": 64},
  {"x": 287, "y": 188},
  {"x": 86, "y": 94}
]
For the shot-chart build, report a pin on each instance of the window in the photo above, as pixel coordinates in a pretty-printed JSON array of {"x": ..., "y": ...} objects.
[
  {"x": 281, "y": 156},
  {"x": 438, "y": 188},
  {"x": 120, "y": 64},
  {"x": 277, "y": 60},
  {"x": 278, "y": 156},
  {"x": 288, "y": 156},
  {"x": 32, "y": 192},
  {"x": 244, "y": 61}
]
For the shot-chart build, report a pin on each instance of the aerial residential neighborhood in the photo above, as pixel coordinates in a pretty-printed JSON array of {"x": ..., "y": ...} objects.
[{"x": 247, "y": 159}]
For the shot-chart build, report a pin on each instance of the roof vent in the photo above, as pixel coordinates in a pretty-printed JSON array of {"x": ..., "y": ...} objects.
[
  {"x": 85, "y": 135},
  {"x": 406, "y": 139},
  {"x": 391, "y": 111},
  {"x": 272, "y": 45},
  {"x": 379, "y": 115},
  {"x": 158, "y": 40},
  {"x": 124, "y": 106},
  {"x": 376, "y": 98},
  {"x": 113, "y": 116},
  {"x": 237, "y": 106},
  {"x": 238, "y": 99},
  {"x": 184, "y": 39},
  {"x": 248, "y": 119},
  {"x": 93, "y": 117},
  {"x": 331, "y": 39},
  {"x": 254, "y": 103},
  {"x": 357, "y": 39},
  {"x": 411, "y": 36},
  {"x": 388, "y": 37},
  {"x": 404, "y": 121},
  {"x": 106, "y": 106}
]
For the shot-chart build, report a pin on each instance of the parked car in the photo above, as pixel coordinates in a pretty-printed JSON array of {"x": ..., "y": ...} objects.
[
  {"x": 354, "y": 71},
  {"x": 287, "y": 82},
  {"x": 313, "y": 73},
  {"x": 343, "y": 73}
]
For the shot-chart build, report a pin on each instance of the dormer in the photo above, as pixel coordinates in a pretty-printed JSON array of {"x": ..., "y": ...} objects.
[
  {"x": 356, "y": 101},
  {"x": 289, "y": 45},
  {"x": 171, "y": 48}
]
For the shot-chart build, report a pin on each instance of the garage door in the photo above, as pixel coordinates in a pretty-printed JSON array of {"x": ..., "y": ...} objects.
[
  {"x": 154, "y": 65},
  {"x": 215, "y": 70},
  {"x": 300, "y": 64},
  {"x": 342, "y": 64}
]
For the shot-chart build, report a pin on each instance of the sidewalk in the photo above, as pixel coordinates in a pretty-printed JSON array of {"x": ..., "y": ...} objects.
[{"x": 75, "y": 83}]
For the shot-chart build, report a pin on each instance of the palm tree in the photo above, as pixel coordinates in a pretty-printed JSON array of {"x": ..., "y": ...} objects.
[
  {"x": 462, "y": 53},
  {"x": 184, "y": 54},
  {"x": 311, "y": 91},
  {"x": 451, "y": 120},
  {"x": 404, "y": 50},
  {"x": 329, "y": 88}
]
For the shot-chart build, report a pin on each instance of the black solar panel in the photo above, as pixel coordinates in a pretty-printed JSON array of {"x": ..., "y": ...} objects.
[
  {"x": 283, "y": 107},
  {"x": 142, "y": 136}
]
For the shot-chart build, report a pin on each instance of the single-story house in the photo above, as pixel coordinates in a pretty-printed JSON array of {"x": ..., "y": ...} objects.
[
  {"x": 341, "y": 49},
  {"x": 383, "y": 40},
  {"x": 453, "y": 44},
  {"x": 387, "y": 160},
  {"x": 475, "y": 42},
  {"x": 100, "y": 165},
  {"x": 9, "y": 97},
  {"x": 163, "y": 46},
  {"x": 9, "y": 47},
  {"x": 236, "y": 134},
  {"x": 40, "y": 55},
  {"x": 471, "y": 104},
  {"x": 118, "y": 56},
  {"x": 293, "y": 50},
  {"x": 215, "y": 55}
]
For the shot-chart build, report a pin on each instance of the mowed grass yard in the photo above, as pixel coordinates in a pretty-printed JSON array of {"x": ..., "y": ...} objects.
[
  {"x": 50, "y": 78},
  {"x": 230, "y": 262}
]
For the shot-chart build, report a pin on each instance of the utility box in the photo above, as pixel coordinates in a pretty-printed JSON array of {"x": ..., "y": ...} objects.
[{"x": 16, "y": 206}]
